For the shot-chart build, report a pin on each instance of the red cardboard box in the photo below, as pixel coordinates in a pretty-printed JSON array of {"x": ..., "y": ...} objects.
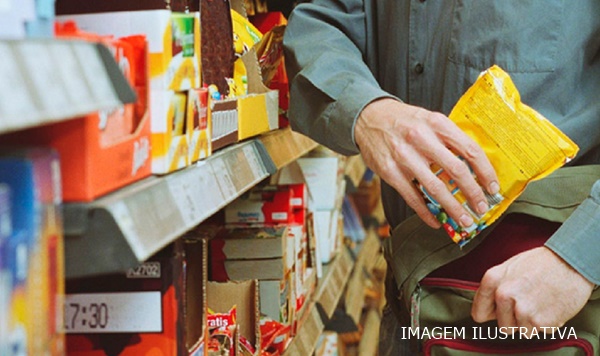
[
  {"x": 158, "y": 308},
  {"x": 103, "y": 151},
  {"x": 263, "y": 206}
]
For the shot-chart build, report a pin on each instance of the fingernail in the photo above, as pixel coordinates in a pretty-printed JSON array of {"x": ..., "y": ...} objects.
[
  {"x": 494, "y": 188},
  {"x": 466, "y": 220},
  {"x": 482, "y": 207}
]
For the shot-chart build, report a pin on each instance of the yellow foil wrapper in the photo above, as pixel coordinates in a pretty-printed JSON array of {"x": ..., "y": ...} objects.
[{"x": 521, "y": 144}]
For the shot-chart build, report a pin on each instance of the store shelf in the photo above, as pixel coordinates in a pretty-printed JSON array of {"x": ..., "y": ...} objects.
[
  {"x": 305, "y": 340},
  {"x": 123, "y": 228},
  {"x": 285, "y": 146},
  {"x": 354, "y": 296},
  {"x": 332, "y": 285},
  {"x": 128, "y": 226},
  {"x": 45, "y": 81}
]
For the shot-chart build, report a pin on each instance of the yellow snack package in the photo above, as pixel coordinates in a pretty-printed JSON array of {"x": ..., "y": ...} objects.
[{"x": 521, "y": 144}]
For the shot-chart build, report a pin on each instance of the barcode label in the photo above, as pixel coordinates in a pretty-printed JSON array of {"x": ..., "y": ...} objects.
[{"x": 493, "y": 199}]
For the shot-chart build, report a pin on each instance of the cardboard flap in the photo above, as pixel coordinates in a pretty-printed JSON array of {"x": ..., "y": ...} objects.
[{"x": 255, "y": 83}]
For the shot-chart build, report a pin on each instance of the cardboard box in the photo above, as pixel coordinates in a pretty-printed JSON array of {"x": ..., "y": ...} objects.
[
  {"x": 173, "y": 61},
  {"x": 196, "y": 308},
  {"x": 262, "y": 206},
  {"x": 170, "y": 126},
  {"x": 157, "y": 308},
  {"x": 32, "y": 260},
  {"x": 244, "y": 295},
  {"x": 252, "y": 243},
  {"x": 277, "y": 300},
  {"x": 173, "y": 42},
  {"x": 105, "y": 150}
]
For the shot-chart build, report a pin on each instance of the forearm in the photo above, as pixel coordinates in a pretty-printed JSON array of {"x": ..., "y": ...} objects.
[{"x": 330, "y": 84}]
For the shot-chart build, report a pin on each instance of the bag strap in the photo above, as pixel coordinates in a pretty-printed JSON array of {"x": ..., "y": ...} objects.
[{"x": 414, "y": 250}]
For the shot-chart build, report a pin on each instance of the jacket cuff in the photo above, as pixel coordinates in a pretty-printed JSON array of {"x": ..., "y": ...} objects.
[
  {"x": 577, "y": 239},
  {"x": 344, "y": 113}
]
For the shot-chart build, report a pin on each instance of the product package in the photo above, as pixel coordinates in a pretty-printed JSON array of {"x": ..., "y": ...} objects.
[
  {"x": 521, "y": 144},
  {"x": 31, "y": 253}
]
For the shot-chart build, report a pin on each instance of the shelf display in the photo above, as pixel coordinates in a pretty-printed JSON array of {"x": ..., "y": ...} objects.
[
  {"x": 123, "y": 266},
  {"x": 53, "y": 80}
]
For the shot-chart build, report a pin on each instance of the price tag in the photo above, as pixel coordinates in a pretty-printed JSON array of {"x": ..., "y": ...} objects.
[
  {"x": 252, "y": 157},
  {"x": 221, "y": 172},
  {"x": 187, "y": 194},
  {"x": 133, "y": 312}
]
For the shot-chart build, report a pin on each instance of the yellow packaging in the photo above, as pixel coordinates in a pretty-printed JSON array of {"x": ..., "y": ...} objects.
[{"x": 520, "y": 143}]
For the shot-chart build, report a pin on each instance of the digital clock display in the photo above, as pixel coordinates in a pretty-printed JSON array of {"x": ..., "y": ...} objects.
[{"x": 113, "y": 312}]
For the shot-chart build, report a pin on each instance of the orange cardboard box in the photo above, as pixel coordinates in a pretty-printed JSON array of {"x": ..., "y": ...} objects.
[{"x": 105, "y": 150}]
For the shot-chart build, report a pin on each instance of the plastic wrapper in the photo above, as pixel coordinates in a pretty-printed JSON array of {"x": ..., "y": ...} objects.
[{"x": 521, "y": 144}]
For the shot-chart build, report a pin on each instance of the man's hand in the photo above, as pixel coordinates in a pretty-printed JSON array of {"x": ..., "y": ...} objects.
[
  {"x": 399, "y": 142},
  {"x": 533, "y": 289}
]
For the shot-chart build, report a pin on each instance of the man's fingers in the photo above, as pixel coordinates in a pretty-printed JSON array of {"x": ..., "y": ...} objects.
[
  {"x": 484, "y": 303},
  {"x": 413, "y": 198},
  {"x": 462, "y": 145}
]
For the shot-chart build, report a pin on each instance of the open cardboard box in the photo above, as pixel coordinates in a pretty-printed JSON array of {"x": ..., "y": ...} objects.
[
  {"x": 245, "y": 116},
  {"x": 244, "y": 295},
  {"x": 104, "y": 150}
]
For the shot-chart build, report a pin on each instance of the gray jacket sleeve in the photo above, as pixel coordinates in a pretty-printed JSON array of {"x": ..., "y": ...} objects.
[
  {"x": 330, "y": 84},
  {"x": 576, "y": 241}
]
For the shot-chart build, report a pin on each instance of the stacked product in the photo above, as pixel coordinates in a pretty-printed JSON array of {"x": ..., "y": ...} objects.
[{"x": 31, "y": 253}]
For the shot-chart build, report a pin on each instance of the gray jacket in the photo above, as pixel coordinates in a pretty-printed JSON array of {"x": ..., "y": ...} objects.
[{"x": 341, "y": 55}]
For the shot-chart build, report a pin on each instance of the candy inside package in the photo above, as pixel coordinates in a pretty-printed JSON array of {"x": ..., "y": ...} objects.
[{"x": 521, "y": 144}]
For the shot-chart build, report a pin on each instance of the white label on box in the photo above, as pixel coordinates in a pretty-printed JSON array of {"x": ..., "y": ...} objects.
[
  {"x": 296, "y": 202},
  {"x": 133, "y": 312},
  {"x": 253, "y": 161},
  {"x": 279, "y": 216}
]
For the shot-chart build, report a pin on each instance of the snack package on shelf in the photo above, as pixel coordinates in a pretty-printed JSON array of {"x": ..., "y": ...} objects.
[
  {"x": 234, "y": 318},
  {"x": 270, "y": 57},
  {"x": 200, "y": 145},
  {"x": 105, "y": 150},
  {"x": 520, "y": 143},
  {"x": 170, "y": 128},
  {"x": 31, "y": 253},
  {"x": 240, "y": 105},
  {"x": 158, "y": 307}
]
